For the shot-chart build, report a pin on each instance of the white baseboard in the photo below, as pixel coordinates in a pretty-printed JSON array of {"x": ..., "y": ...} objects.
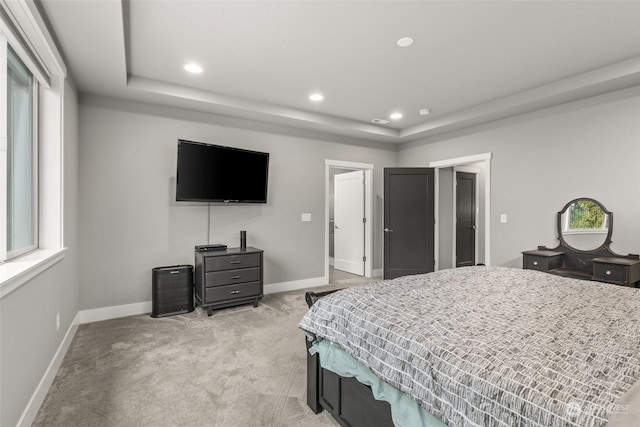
[
  {"x": 113, "y": 312},
  {"x": 378, "y": 272},
  {"x": 295, "y": 285},
  {"x": 38, "y": 396}
]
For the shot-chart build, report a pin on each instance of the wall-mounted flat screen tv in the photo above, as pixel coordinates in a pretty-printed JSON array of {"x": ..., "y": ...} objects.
[{"x": 214, "y": 173}]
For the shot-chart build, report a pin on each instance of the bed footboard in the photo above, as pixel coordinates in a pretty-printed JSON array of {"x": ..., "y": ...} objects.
[
  {"x": 351, "y": 403},
  {"x": 313, "y": 362},
  {"x": 313, "y": 385}
]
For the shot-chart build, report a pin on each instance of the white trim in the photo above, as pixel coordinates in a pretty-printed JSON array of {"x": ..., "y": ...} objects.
[
  {"x": 4, "y": 146},
  {"x": 585, "y": 231},
  {"x": 459, "y": 161},
  {"x": 467, "y": 169},
  {"x": 368, "y": 227},
  {"x": 368, "y": 238},
  {"x": 116, "y": 311},
  {"x": 37, "y": 398},
  {"x": 18, "y": 271},
  {"x": 294, "y": 285},
  {"x": 476, "y": 158},
  {"x": 113, "y": 312},
  {"x": 436, "y": 219},
  {"x": 40, "y": 74},
  {"x": 347, "y": 165},
  {"x": 454, "y": 223},
  {"x": 378, "y": 272},
  {"x": 26, "y": 17}
]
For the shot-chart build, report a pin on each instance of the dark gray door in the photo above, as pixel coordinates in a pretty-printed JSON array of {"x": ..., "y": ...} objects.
[
  {"x": 408, "y": 221},
  {"x": 465, "y": 219}
]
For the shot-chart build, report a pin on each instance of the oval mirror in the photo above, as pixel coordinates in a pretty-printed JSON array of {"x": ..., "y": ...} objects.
[{"x": 584, "y": 224}]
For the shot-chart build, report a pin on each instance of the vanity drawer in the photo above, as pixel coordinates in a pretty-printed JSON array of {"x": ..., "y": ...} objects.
[
  {"x": 227, "y": 277},
  {"x": 220, "y": 294},
  {"x": 541, "y": 262},
  {"x": 622, "y": 271},
  {"x": 613, "y": 273},
  {"x": 231, "y": 262}
]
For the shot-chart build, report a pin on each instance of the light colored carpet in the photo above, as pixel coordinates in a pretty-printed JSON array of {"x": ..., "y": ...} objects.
[{"x": 243, "y": 366}]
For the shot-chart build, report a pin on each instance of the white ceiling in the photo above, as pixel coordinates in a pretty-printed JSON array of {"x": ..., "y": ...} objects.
[{"x": 472, "y": 61}]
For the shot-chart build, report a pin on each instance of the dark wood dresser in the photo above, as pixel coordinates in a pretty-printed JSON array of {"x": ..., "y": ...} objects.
[
  {"x": 596, "y": 263},
  {"x": 229, "y": 277},
  {"x": 617, "y": 270}
]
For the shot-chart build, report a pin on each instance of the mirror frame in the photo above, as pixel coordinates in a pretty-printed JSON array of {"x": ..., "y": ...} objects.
[{"x": 607, "y": 241}]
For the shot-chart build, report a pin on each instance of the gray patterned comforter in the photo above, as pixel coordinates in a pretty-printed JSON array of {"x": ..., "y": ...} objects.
[{"x": 493, "y": 346}]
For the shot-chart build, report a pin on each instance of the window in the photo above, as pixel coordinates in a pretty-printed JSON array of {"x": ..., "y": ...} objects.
[
  {"x": 32, "y": 131},
  {"x": 584, "y": 216},
  {"x": 22, "y": 191}
]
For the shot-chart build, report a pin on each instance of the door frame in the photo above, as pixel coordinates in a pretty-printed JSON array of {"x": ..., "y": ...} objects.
[
  {"x": 350, "y": 246},
  {"x": 368, "y": 211},
  {"x": 476, "y": 172},
  {"x": 461, "y": 161}
]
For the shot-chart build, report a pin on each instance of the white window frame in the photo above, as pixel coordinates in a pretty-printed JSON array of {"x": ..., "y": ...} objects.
[
  {"x": 566, "y": 229},
  {"x": 8, "y": 255},
  {"x": 23, "y": 28}
]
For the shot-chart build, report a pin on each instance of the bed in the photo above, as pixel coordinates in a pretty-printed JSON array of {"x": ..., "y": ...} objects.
[{"x": 478, "y": 346}]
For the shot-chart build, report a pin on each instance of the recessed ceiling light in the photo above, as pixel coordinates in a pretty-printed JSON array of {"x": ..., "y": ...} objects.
[
  {"x": 316, "y": 97},
  {"x": 425, "y": 111},
  {"x": 380, "y": 121},
  {"x": 395, "y": 116},
  {"x": 405, "y": 42},
  {"x": 193, "y": 68}
]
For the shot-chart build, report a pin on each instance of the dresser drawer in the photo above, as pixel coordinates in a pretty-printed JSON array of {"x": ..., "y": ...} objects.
[
  {"x": 231, "y": 262},
  {"x": 218, "y": 294},
  {"x": 542, "y": 263},
  {"x": 614, "y": 273},
  {"x": 227, "y": 277}
]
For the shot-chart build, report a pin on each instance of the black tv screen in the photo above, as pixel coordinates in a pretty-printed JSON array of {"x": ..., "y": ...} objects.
[{"x": 213, "y": 173}]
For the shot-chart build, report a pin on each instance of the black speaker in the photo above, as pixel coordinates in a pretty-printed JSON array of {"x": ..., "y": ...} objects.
[
  {"x": 171, "y": 290},
  {"x": 243, "y": 239}
]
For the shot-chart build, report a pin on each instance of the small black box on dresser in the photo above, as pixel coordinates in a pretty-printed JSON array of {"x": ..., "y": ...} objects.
[{"x": 171, "y": 290}]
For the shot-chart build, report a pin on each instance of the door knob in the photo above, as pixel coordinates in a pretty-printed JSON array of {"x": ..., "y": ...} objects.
[
  {"x": 335, "y": 227},
  {"x": 388, "y": 230}
]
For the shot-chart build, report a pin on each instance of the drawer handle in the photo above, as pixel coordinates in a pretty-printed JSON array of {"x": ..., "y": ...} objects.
[
  {"x": 535, "y": 262},
  {"x": 174, "y": 272},
  {"x": 234, "y": 292},
  {"x": 234, "y": 262},
  {"x": 608, "y": 272},
  {"x": 234, "y": 277}
]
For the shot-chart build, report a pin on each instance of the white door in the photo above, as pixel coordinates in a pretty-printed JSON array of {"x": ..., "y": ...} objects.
[{"x": 348, "y": 251}]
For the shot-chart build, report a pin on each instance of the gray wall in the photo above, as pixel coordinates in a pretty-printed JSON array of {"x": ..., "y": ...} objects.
[
  {"x": 27, "y": 315},
  {"x": 543, "y": 160},
  {"x": 131, "y": 223}
]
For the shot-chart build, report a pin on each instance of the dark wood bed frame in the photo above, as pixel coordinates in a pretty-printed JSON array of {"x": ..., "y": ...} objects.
[{"x": 350, "y": 402}]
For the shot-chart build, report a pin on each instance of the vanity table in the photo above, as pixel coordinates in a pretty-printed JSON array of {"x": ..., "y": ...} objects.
[{"x": 584, "y": 231}]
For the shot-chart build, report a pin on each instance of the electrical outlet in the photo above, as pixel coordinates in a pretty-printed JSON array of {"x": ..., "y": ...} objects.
[
  {"x": 503, "y": 218},
  {"x": 306, "y": 217},
  {"x": 57, "y": 321}
]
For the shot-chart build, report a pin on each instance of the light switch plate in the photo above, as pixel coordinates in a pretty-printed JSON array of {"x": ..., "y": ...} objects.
[
  {"x": 503, "y": 218},
  {"x": 306, "y": 217}
]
